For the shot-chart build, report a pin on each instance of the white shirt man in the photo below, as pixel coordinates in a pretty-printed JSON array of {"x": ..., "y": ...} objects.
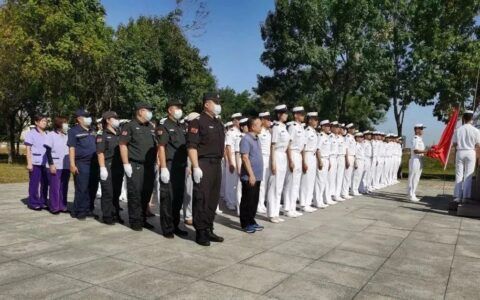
[
  {"x": 323, "y": 196},
  {"x": 368, "y": 156},
  {"x": 232, "y": 138},
  {"x": 265, "y": 138},
  {"x": 359, "y": 164},
  {"x": 350, "y": 145},
  {"x": 415, "y": 165},
  {"x": 309, "y": 168}
]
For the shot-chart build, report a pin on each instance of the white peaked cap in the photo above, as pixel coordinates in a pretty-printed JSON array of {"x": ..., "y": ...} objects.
[
  {"x": 342, "y": 124},
  {"x": 349, "y": 125},
  {"x": 334, "y": 123},
  {"x": 324, "y": 122},
  {"x": 367, "y": 132},
  {"x": 419, "y": 125},
  {"x": 228, "y": 124},
  {"x": 244, "y": 120},
  {"x": 281, "y": 107},
  {"x": 358, "y": 134},
  {"x": 192, "y": 116},
  {"x": 468, "y": 112},
  {"x": 312, "y": 114},
  {"x": 236, "y": 115},
  {"x": 298, "y": 109},
  {"x": 264, "y": 114}
]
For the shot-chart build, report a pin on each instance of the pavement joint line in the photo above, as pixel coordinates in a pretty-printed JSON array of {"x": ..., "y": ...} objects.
[{"x": 451, "y": 263}]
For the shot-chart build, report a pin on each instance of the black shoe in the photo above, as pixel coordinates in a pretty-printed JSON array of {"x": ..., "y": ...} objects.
[
  {"x": 147, "y": 225},
  {"x": 180, "y": 232},
  {"x": 81, "y": 218},
  {"x": 109, "y": 221},
  {"x": 213, "y": 237},
  {"x": 136, "y": 227},
  {"x": 168, "y": 235},
  {"x": 119, "y": 219},
  {"x": 202, "y": 238}
]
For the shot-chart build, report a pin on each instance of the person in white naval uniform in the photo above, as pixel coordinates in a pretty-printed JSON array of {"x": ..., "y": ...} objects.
[
  {"x": 227, "y": 126},
  {"x": 231, "y": 174},
  {"x": 309, "y": 168},
  {"x": 265, "y": 138},
  {"x": 367, "y": 162},
  {"x": 278, "y": 163},
  {"x": 323, "y": 197},
  {"x": 332, "y": 171},
  {"x": 342, "y": 163},
  {"x": 291, "y": 189},
  {"x": 380, "y": 161},
  {"x": 351, "y": 148},
  {"x": 359, "y": 164},
  {"x": 415, "y": 165},
  {"x": 466, "y": 140}
]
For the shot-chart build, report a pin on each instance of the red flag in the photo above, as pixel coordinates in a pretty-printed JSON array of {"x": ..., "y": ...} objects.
[{"x": 441, "y": 150}]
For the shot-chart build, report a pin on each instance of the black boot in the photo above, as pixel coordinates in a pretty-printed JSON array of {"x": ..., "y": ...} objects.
[
  {"x": 213, "y": 237},
  {"x": 202, "y": 238}
]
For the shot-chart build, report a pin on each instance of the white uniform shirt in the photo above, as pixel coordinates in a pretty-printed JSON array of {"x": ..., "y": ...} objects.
[
  {"x": 466, "y": 137},
  {"x": 360, "y": 150},
  {"x": 265, "y": 141},
  {"x": 280, "y": 136},
  {"x": 233, "y": 134},
  {"x": 333, "y": 144},
  {"x": 324, "y": 144},
  {"x": 367, "y": 149},
  {"x": 237, "y": 142},
  {"x": 342, "y": 147},
  {"x": 417, "y": 144},
  {"x": 311, "y": 140},
  {"x": 351, "y": 144},
  {"x": 297, "y": 135}
]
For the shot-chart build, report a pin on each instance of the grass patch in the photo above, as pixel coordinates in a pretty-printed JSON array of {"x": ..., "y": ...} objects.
[{"x": 12, "y": 173}]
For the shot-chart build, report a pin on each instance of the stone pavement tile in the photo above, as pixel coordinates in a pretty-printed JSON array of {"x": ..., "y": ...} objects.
[
  {"x": 468, "y": 237},
  {"x": 468, "y": 250},
  {"x": 470, "y": 224},
  {"x": 466, "y": 264},
  {"x": 14, "y": 270},
  {"x": 48, "y": 231},
  {"x": 321, "y": 271},
  {"x": 352, "y": 224},
  {"x": 387, "y": 231},
  {"x": 76, "y": 239},
  {"x": 463, "y": 284},
  {"x": 354, "y": 259},
  {"x": 97, "y": 293},
  {"x": 10, "y": 238},
  {"x": 60, "y": 259},
  {"x": 110, "y": 246},
  {"x": 231, "y": 253},
  {"x": 374, "y": 244},
  {"x": 298, "y": 288},
  {"x": 211, "y": 291},
  {"x": 115, "y": 231},
  {"x": 440, "y": 221},
  {"x": 372, "y": 296},
  {"x": 148, "y": 255},
  {"x": 446, "y": 236},
  {"x": 259, "y": 240},
  {"x": 398, "y": 221},
  {"x": 149, "y": 283},
  {"x": 423, "y": 249},
  {"x": 248, "y": 278},
  {"x": 48, "y": 286},
  {"x": 302, "y": 249},
  {"x": 369, "y": 212},
  {"x": 4, "y": 259},
  {"x": 101, "y": 270},
  {"x": 194, "y": 265},
  {"x": 29, "y": 249},
  {"x": 404, "y": 286},
  {"x": 327, "y": 237},
  {"x": 278, "y": 262}
]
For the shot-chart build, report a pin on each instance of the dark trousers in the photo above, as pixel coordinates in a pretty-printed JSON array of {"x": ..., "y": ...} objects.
[
  {"x": 206, "y": 194},
  {"x": 38, "y": 187},
  {"x": 86, "y": 186},
  {"x": 111, "y": 189},
  {"x": 58, "y": 190},
  {"x": 171, "y": 197},
  {"x": 249, "y": 203},
  {"x": 139, "y": 191}
]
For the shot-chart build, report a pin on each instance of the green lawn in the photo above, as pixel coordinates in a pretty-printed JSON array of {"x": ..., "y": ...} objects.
[{"x": 10, "y": 173}]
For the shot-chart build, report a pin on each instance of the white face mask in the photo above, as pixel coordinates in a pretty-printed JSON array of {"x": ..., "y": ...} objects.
[
  {"x": 87, "y": 121},
  {"x": 217, "y": 109},
  {"x": 65, "y": 127},
  {"x": 115, "y": 123},
  {"x": 148, "y": 116},
  {"x": 178, "y": 114}
]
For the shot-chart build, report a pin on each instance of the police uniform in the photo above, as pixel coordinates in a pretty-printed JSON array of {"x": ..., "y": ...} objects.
[
  {"x": 323, "y": 196},
  {"x": 265, "y": 138},
  {"x": 341, "y": 153},
  {"x": 332, "y": 172},
  {"x": 141, "y": 144},
  {"x": 206, "y": 135},
  {"x": 307, "y": 183},
  {"x": 86, "y": 181},
  {"x": 358, "y": 166},
  {"x": 171, "y": 135},
  {"x": 108, "y": 144},
  {"x": 415, "y": 166},
  {"x": 351, "y": 146}
]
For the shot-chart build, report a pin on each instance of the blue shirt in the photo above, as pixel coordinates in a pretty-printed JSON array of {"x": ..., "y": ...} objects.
[
  {"x": 250, "y": 144},
  {"x": 84, "y": 142}
]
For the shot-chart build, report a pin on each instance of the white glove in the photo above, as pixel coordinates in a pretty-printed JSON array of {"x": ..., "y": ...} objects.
[
  {"x": 197, "y": 175},
  {"x": 128, "y": 170},
  {"x": 164, "y": 175},
  {"x": 103, "y": 173}
]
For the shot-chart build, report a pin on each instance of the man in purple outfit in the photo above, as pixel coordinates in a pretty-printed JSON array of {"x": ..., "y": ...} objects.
[
  {"x": 36, "y": 161},
  {"x": 59, "y": 165}
]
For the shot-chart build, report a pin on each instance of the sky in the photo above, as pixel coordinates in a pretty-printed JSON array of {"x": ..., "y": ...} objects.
[{"x": 232, "y": 41}]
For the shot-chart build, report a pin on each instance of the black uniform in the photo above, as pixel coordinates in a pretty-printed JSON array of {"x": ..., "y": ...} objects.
[
  {"x": 140, "y": 138},
  {"x": 107, "y": 143},
  {"x": 206, "y": 134},
  {"x": 171, "y": 134}
]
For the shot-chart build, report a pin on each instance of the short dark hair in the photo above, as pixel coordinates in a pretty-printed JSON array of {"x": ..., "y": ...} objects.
[
  {"x": 39, "y": 117},
  {"x": 467, "y": 117},
  {"x": 58, "y": 122},
  {"x": 251, "y": 120}
]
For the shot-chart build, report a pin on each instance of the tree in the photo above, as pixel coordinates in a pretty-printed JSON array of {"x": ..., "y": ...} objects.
[{"x": 233, "y": 102}]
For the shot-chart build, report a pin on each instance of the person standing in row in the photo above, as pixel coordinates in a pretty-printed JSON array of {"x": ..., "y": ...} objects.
[
  {"x": 232, "y": 137},
  {"x": 342, "y": 162},
  {"x": 309, "y": 166},
  {"x": 322, "y": 188},
  {"x": 172, "y": 160},
  {"x": 188, "y": 196},
  {"x": 111, "y": 168},
  {"x": 206, "y": 144},
  {"x": 250, "y": 175},
  {"x": 332, "y": 171},
  {"x": 138, "y": 152},
  {"x": 351, "y": 147},
  {"x": 83, "y": 164},
  {"x": 415, "y": 165},
  {"x": 265, "y": 137},
  {"x": 358, "y": 164},
  {"x": 36, "y": 164},
  {"x": 466, "y": 141},
  {"x": 59, "y": 165},
  {"x": 368, "y": 158},
  {"x": 278, "y": 163}
]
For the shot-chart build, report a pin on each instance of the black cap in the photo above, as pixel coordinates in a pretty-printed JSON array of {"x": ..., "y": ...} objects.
[
  {"x": 143, "y": 105},
  {"x": 82, "y": 113},
  {"x": 109, "y": 114},
  {"x": 174, "y": 102},
  {"x": 214, "y": 96}
]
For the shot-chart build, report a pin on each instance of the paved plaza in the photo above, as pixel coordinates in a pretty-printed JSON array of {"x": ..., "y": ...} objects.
[{"x": 376, "y": 247}]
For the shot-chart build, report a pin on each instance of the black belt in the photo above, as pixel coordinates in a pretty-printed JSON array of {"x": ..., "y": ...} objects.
[{"x": 212, "y": 160}]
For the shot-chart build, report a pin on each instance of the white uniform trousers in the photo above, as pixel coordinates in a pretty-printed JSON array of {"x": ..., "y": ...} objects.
[
  {"x": 322, "y": 191},
  {"x": 307, "y": 183},
  {"x": 367, "y": 173},
  {"x": 187, "y": 198},
  {"x": 347, "y": 177},
  {"x": 464, "y": 168},
  {"x": 332, "y": 175},
  {"x": 275, "y": 184},
  {"x": 358, "y": 174},
  {"x": 415, "y": 166},
  {"x": 291, "y": 190},
  {"x": 386, "y": 171},
  {"x": 340, "y": 174},
  {"x": 231, "y": 183},
  {"x": 373, "y": 173},
  {"x": 222, "y": 186},
  {"x": 264, "y": 183},
  {"x": 378, "y": 172}
]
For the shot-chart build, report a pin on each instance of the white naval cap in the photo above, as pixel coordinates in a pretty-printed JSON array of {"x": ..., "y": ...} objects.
[
  {"x": 162, "y": 120},
  {"x": 349, "y": 125},
  {"x": 358, "y": 134},
  {"x": 243, "y": 121},
  {"x": 228, "y": 124},
  {"x": 419, "y": 125},
  {"x": 324, "y": 122},
  {"x": 281, "y": 107},
  {"x": 236, "y": 115},
  {"x": 341, "y": 125},
  {"x": 468, "y": 112},
  {"x": 192, "y": 116},
  {"x": 334, "y": 123},
  {"x": 367, "y": 132},
  {"x": 264, "y": 114},
  {"x": 312, "y": 114},
  {"x": 297, "y": 109}
]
